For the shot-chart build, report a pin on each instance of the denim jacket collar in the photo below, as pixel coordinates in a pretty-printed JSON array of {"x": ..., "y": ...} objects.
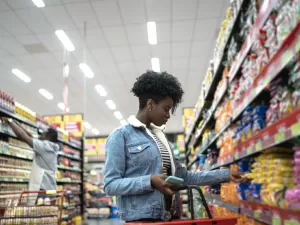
[{"x": 133, "y": 121}]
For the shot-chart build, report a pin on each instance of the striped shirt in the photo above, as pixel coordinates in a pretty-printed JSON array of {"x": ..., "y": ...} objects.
[{"x": 166, "y": 160}]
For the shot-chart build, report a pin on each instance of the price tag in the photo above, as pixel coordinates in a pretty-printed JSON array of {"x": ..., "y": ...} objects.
[
  {"x": 14, "y": 179},
  {"x": 258, "y": 146},
  {"x": 298, "y": 46},
  {"x": 276, "y": 220},
  {"x": 291, "y": 222},
  {"x": 249, "y": 151},
  {"x": 280, "y": 137},
  {"x": 257, "y": 214},
  {"x": 5, "y": 179},
  {"x": 286, "y": 58},
  {"x": 295, "y": 129}
]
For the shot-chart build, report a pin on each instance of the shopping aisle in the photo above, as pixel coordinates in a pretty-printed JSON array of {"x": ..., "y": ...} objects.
[{"x": 105, "y": 222}]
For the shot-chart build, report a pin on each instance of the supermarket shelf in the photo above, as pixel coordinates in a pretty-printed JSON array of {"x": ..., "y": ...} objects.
[
  {"x": 68, "y": 181},
  {"x": 69, "y": 156},
  {"x": 66, "y": 218},
  {"x": 15, "y": 155},
  {"x": 8, "y": 134},
  {"x": 13, "y": 180},
  {"x": 281, "y": 131},
  {"x": 69, "y": 168},
  {"x": 266, "y": 9},
  {"x": 6, "y": 113},
  {"x": 16, "y": 167},
  {"x": 192, "y": 163},
  {"x": 216, "y": 200},
  {"x": 70, "y": 144}
]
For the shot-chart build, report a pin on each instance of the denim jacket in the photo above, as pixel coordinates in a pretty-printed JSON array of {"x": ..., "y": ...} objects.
[{"x": 132, "y": 156}]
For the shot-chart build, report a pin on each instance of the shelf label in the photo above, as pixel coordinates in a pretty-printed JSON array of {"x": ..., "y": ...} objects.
[
  {"x": 279, "y": 137},
  {"x": 258, "y": 146},
  {"x": 5, "y": 179},
  {"x": 295, "y": 129},
  {"x": 14, "y": 179},
  {"x": 249, "y": 151},
  {"x": 291, "y": 222},
  {"x": 257, "y": 214},
  {"x": 286, "y": 58},
  {"x": 276, "y": 220}
]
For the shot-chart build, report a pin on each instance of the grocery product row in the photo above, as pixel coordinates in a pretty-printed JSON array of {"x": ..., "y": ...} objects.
[
  {"x": 246, "y": 118},
  {"x": 16, "y": 163}
]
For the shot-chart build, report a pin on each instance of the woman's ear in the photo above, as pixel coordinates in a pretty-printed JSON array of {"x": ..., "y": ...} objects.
[{"x": 150, "y": 105}]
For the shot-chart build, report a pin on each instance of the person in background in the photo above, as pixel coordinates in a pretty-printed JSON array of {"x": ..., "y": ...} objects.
[
  {"x": 44, "y": 165},
  {"x": 139, "y": 157}
]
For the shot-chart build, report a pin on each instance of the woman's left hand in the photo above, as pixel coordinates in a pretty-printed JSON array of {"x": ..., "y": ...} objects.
[{"x": 235, "y": 177}]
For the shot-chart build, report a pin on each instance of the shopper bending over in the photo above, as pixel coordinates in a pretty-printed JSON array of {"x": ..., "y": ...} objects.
[
  {"x": 43, "y": 172},
  {"x": 139, "y": 157}
]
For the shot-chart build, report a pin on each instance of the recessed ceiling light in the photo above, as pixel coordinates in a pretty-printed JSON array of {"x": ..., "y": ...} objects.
[
  {"x": 21, "y": 75},
  {"x": 155, "y": 64},
  {"x": 46, "y": 94},
  {"x": 111, "y": 104},
  {"x": 123, "y": 122},
  {"x": 39, "y": 3},
  {"x": 86, "y": 70},
  {"x": 65, "y": 40},
  {"x": 87, "y": 125},
  {"x": 152, "y": 37},
  {"x": 118, "y": 115},
  {"x": 95, "y": 131},
  {"x": 61, "y": 105},
  {"x": 100, "y": 89}
]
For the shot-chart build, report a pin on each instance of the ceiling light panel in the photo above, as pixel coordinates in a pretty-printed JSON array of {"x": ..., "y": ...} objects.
[
  {"x": 95, "y": 131},
  {"x": 118, "y": 115},
  {"x": 67, "y": 43},
  {"x": 21, "y": 75},
  {"x": 86, "y": 70},
  {"x": 155, "y": 64},
  {"x": 151, "y": 29},
  {"x": 87, "y": 125},
  {"x": 111, "y": 104},
  {"x": 39, "y": 3},
  {"x": 46, "y": 94},
  {"x": 61, "y": 105},
  {"x": 100, "y": 89}
]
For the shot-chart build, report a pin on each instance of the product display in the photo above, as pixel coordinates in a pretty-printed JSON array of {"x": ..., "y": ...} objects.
[{"x": 249, "y": 120}]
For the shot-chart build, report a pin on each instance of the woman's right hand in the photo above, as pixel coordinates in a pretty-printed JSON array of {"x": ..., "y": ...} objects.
[{"x": 158, "y": 182}]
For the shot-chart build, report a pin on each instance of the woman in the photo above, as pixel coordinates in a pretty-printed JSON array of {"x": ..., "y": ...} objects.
[{"x": 139, "y": 157}]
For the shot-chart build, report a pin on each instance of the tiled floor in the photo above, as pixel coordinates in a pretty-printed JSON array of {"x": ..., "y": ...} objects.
[{"x": 105, "y": 222}]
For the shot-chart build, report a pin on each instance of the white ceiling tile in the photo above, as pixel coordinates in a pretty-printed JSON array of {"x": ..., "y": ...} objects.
[
  {"x": 82, "y": 12},
  {"x": 180, "y": 64},
  {"x": 137, "y": 34},
  {"x": 180, "y": 49},
  {"x": 109, "y": 68},
  {"x": 12, "y": 46},
  {"x": 72, "y": 1},
  {"x": 103, "y": 56},
  {"x": 165, "y": 65},
  {"x": 51, "y": 42},
  {"x": 58, "y": 17},
  {"x": 162, "y": 50},
  {"x": 76, "y": 39},
  {"x": 196, "y": 65},
  {"x": 183, "y": 10},
  {"x": 30, "y": 63},
  {"x": 127, "y": 68},
  {"x": 108, "y": 12},
  {"x": 206, "y": 29},
  {"x": 142, "y": 66},
  {"x": 20, "y": 4},
  {"x": 122, "y": 54},
  {"x": 163, "y": 30},
  {"x": 28, "y": 40},
  {"x": 47, "y": 60},
  {"x": 11, "y": 62},
  {"x": 133, "y": 11},
  {"x": 96, "y": 39},
  {"x": 141, "y": 52},
  {"x": 51, "y": 2},
  {"x": 3, "y": 6},
  {"x": 3, "y": 32},
  {"x": 212, "y": 8},
  {"x": 13, "y": 24},
  {"x": 158, "y": 10},
  {"x": 4, "y": 53},
  {"x": 201, "y": 47},
  {"x": 115, "y": 36},
  {"x": 183, "y": 30},
  {"x": 29, "y": 17}
]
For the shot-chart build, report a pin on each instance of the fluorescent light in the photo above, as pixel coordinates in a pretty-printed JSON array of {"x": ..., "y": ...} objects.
[
  {"x": 111, "y": 104},
  {"x": 61, "y": 105},
  {"x": 123, "y": 122},
  {"x": 86, "y": 70},
  {"x": 155, "y": 64},
  {"x": 95, "y": 131},
  {"x": 66, "y": 70},
  {"x": 118, "y": 115},
  {"x": 39, "y": 3},
  {"x": 87, "y": 125},
  {"x": 21, "y": 75},
  {"x": 100, "y": 89},
  {"x": 152, "y": 37},
  {"x": 65, "y": 40},
  {"x": 46, "y": 94}
]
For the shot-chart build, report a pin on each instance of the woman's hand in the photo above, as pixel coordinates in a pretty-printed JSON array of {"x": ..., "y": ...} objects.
[
  {"x": 238, "y": 178},
  {"x": 158, "y": 182}
]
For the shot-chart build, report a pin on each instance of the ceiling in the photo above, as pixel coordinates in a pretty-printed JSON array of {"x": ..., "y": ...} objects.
[{"x": 117, "y": 50}]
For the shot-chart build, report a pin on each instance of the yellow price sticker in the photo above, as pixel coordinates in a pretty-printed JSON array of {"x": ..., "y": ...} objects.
[
  {"x": 257, "y": 215},
  {"x": 276, "y": 221},
  {"x": 258, "y": 146},
  {"x": 295, "y": 129},
  {"x": 249, "y": 151},
  {"x": 51, "y": 192},
  {"x": 5, "y": 179},
  {"x": 280, "y": 137},
  {"x": 287, "y": 57},
  {"x": 14, "y": 179}
]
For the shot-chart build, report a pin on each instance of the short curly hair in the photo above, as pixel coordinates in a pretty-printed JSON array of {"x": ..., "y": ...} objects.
[{"x": 157, "y": 86}]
